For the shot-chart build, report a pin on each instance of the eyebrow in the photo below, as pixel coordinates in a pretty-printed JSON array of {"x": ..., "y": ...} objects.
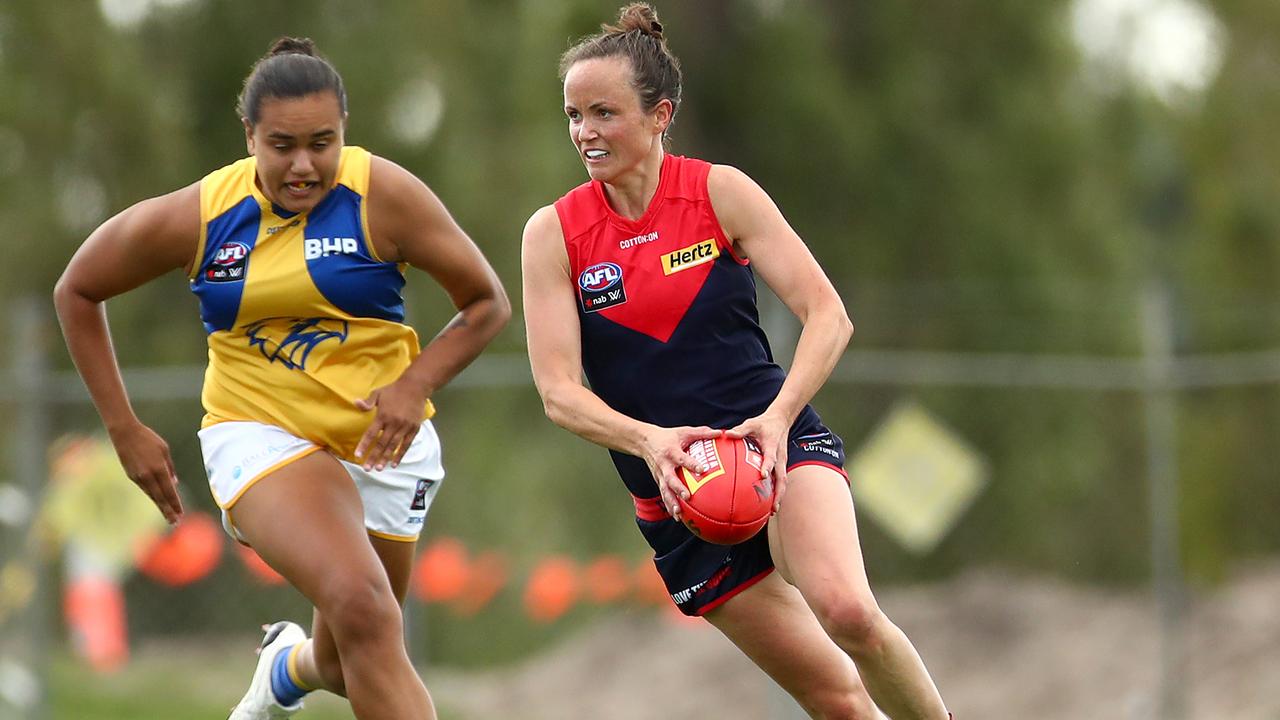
[
  {"x": 592, "y": 106},
  {"x": 278, "y": 135}
]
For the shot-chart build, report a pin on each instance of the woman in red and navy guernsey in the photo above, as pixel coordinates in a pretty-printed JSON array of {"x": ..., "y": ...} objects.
[{"x": 643, "y": 279}]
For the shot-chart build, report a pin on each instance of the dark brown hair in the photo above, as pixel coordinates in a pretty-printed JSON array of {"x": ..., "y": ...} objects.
[
  {"x": 655, "y": 72},
  {"x": 291, "y": 69}
]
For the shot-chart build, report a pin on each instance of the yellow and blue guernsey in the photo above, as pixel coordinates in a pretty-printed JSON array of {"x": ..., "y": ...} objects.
[{"x": 302, "y": 315}]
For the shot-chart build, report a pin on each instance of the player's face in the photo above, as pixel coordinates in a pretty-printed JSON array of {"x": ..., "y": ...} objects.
[
  {"x": 297, "y": 142},
  {"x": 611, "y": 131}
]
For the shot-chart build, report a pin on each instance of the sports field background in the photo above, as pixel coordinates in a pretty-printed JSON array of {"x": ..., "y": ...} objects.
[{"x": 1055, "y": 225}]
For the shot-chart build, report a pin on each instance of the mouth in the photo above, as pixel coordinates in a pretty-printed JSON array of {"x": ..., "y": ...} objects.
[
  {"x": 300, "y": 188},
  {"x": 595, "y": 155}
]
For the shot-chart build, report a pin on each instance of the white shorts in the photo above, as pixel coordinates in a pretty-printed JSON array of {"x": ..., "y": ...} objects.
[{"x": 239, "y": 454}]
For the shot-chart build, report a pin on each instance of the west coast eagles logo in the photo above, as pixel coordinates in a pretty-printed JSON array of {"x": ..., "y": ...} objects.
[{"x": 290, "y": 341}]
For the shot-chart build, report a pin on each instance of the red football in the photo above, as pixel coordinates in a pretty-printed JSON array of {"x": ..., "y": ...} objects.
[{"x": 732, "y": 500}]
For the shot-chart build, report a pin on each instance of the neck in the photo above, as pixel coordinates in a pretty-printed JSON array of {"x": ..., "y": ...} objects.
[{"x": 631, "y": 193}]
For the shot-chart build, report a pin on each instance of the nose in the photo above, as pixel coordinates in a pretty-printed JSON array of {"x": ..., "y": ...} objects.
[{"x": 300, "y": 163}]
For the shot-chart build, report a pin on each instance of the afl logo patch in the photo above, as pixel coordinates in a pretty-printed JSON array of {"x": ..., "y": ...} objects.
[
  {"x": 228, "y": 263},
  {"x": 601, "y": 287}
]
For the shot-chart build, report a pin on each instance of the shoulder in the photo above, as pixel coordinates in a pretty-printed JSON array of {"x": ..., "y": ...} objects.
[
  {"x": 399, "y": 199},
  {"x": 734, "y": 194},
  {"x": 390, "y": 180},
  {"x": 728, "y": 181},
  {"x": 176, "y": 214},
  {"x": 226, "y": 188},
  {"x": 542, "y": 247},
  {"x": 543, "y": 226}
]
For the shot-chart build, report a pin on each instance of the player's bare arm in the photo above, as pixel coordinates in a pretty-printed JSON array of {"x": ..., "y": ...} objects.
[
  {"x": 555, "y": 355},
  {"x": 139, "y": 244},
  {"x": 408, "y": 223},
  {"x": 759, "y": 231}
]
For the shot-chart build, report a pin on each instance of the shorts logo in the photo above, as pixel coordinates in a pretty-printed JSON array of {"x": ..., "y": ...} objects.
[
  {"x": 694, "y": 255},
  {"x": 820, "y": 443},
  {"x": 601, "y": 286},
  {"x": 228, "y": 263},
  {"x": 420, "y": 494},
  {"x": 711, "y": 583}
]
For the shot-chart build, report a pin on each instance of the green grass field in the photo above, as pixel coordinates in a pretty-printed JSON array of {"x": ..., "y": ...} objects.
[
  {"x": 163, "y": 684},
  {"x": 172, "y": 682}
]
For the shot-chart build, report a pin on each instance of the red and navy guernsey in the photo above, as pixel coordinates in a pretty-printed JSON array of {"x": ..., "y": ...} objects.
[{"x": 670, "y": 330}]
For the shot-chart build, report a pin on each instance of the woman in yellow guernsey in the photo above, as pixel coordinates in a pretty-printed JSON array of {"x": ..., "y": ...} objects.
[{"x": 316, "y": 436}]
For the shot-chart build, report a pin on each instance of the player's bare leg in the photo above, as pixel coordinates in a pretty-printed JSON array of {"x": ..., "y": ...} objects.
[
  {"x": 306, "y": 520},
  {"x": 814, "y": 540},
  {"x": 319, "y": 663},
  {"x": 773, "y": 626}
]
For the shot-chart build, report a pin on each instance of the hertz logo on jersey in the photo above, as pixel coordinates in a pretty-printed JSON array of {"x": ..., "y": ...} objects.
[{"x": 685, "y": 258}]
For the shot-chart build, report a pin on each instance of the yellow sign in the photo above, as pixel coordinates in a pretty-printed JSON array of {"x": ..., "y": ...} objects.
[{"x": 916, "y": 477}]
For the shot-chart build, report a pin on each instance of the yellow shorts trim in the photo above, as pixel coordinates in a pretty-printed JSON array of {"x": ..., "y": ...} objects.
[{"x": 394, "y": 538}]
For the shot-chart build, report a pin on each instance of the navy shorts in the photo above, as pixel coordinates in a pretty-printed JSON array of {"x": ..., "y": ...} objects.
[{"x": 701, "y": 576}]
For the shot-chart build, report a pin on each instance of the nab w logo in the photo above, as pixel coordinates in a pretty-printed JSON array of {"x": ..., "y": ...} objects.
[{"x": 291, "y": 340}]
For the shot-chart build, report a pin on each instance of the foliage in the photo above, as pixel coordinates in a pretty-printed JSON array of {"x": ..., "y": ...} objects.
[{"x": 961, "y": 184}]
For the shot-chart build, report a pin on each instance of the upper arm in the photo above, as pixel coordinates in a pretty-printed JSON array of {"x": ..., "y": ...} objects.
[
  {"x": 757, "y": 229},
  {"x": 550, "y": 307},
  {"x": 139, "y": 244},
  {"x": 408, "y": 223}
]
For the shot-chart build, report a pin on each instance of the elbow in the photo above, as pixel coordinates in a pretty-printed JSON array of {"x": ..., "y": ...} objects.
[
  {"x": 501, "y": 309},
  {"x": 64, "y": 294},
  {"x": 554, "y": 406},
  {"x": 495, "y": 309},
  {"x": 841, "y": 326}
]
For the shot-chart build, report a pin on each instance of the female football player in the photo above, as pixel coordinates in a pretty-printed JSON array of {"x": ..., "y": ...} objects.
[
  {"x": 316, "y": 435},
  {"x": 643, "y": 278}
]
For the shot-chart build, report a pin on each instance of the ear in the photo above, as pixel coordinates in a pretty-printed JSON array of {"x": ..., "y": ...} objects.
[
  {"x": 248, "y": 135},
  {"x": 662, "y": 115}
]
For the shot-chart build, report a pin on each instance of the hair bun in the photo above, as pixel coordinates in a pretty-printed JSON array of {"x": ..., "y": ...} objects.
[
  {"x": 639, "y": 17},
  {"x": 287, "y": 45}
]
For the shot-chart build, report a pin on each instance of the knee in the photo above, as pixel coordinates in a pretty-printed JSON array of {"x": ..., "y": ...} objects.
[
  {"x": 845, "y": 705},
  {"x": 361, "y": 612},
  {"x": 856, "y": 624}
]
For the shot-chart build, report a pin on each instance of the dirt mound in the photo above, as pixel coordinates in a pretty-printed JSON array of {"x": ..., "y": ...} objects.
[{"x": 1000, "y": 647}]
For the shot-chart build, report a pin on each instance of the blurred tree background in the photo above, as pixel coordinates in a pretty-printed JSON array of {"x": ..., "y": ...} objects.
[{"x": 967, "y": 181}]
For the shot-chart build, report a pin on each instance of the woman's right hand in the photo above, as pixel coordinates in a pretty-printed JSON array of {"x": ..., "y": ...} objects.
[
  {"x": 146, "y": 460},
  {"x": 663, "y": 450}
]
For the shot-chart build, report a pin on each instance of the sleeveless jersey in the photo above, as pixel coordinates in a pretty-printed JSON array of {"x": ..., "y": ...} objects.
[
  {"x": 670, "y": 330},
  {"x": 303, "y": 317}
]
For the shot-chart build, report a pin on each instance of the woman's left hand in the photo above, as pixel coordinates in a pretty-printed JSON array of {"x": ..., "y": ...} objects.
[
  {"x": 399, "y": 409},
  {"x": 770, "y": 433}
]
